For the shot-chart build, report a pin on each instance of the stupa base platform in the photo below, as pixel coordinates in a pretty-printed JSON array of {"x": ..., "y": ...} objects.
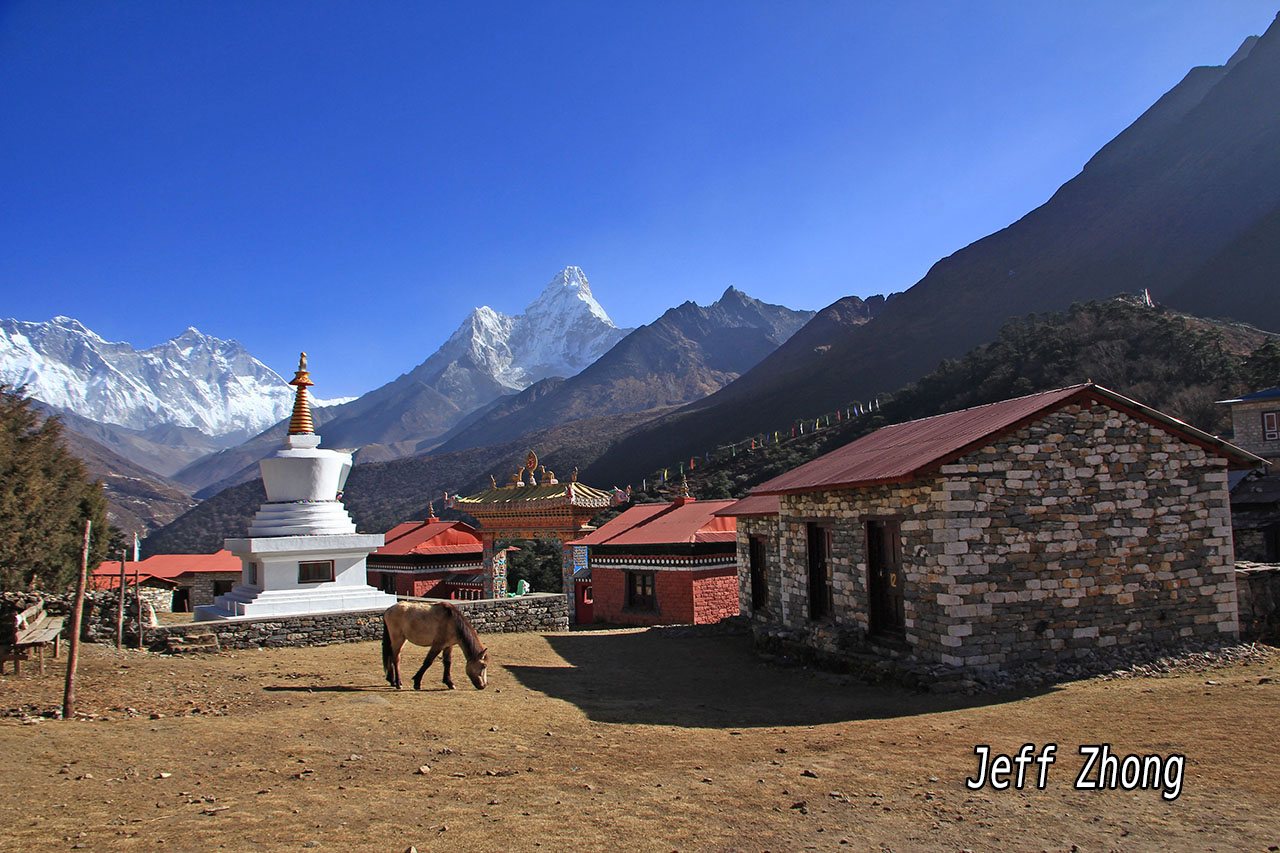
[{"x": 246, "y": 602}]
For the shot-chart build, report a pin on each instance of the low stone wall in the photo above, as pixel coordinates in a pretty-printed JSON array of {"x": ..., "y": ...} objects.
[
  {"x": 1258, "y": 592},
  {"x": 538, "y": 611}
]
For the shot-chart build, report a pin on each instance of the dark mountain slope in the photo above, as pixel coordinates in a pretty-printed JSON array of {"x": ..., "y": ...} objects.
[
  {"x": 686, "y": 354},
  {"x": 1162, "y": 202},
  {"x": 1240, "y": 281},
  {"x": 1177, "y": 363},
  {"x": 138, "y": 500}
]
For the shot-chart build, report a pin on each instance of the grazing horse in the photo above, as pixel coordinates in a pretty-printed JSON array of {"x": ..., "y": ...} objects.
[{"x": 440, "y": 626}]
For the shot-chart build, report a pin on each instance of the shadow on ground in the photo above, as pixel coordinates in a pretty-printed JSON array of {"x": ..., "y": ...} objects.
[{"x": 677, "y": 678}]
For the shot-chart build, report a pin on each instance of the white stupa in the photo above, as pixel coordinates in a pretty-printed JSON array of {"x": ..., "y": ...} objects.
[{"x": 303, "y": 554}]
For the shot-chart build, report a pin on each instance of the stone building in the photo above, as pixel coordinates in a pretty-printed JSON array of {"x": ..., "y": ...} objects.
[
  {"x": 664, "y": 564},
  {"x": 1016, "y": 533},
  {"x": 176, "y": 582},
  {"x": 1255, "y": 495}
]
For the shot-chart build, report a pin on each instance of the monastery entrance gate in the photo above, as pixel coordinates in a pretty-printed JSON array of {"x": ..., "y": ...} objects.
[{"x": 534, "y": 505}]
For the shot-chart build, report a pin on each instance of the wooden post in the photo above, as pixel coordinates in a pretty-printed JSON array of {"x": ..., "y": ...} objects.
[
  {"x": 120, "y": 606},
  {"x": 69, "y": 694},
  {"x": 137, "y": 591}
]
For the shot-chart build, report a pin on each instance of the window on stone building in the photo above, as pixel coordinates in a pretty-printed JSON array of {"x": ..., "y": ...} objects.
[
  {"x": 820, "y": 604},
  {"x": 1271, "y": 426},
  {"x": 756, "y": 565},
  {"x": 640, "y": 590},
  {"x": 222, "y": 587},
  {"x": 317, "y": 571}
]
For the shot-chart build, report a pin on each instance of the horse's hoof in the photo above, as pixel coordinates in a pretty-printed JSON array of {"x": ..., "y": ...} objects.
[
  {"x": 451, "y": 687},
  {"x": 417, "y": 686}
]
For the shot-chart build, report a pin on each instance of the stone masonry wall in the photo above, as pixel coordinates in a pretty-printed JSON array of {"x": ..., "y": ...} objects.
[
  {"x": 1258, "y": 590},
  {"x": 765, "y": 527},
  {"x": 539, "y": 611},
  {"x": 1086, "y": 528}
]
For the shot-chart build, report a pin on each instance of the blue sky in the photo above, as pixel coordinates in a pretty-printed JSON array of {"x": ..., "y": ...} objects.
[{"x": 352, "y": 178}]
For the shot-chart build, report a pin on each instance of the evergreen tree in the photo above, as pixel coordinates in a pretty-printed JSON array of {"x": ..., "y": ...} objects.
[{"x": 45, "y": 497}]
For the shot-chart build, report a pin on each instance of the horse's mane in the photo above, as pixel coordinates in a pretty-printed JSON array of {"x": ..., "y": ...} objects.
[{"x": 467, "y": 637}]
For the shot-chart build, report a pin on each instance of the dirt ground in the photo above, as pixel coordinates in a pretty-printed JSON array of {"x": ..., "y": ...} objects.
[{"x": 611, "y": 740}]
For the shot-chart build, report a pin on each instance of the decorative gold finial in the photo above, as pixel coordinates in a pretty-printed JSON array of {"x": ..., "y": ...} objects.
[
  {"x": 300, "y": 423},
  {"x": 684, "y": 487},
  {"x": 573, "y": 477},
  {"x": 493, "y": 484},
  {"x": 431, "y": 510}
]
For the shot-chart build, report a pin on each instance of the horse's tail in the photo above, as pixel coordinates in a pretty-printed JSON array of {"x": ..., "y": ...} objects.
[{"x": 386, "y": 652}]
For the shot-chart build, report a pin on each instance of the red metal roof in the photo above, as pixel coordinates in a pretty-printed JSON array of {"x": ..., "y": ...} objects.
[
  {"x": 680, "y": 522},
  {"x": 905, "y": 451},
  {"x": 752, "y": 505},
  {"x": 169, "y": 566},
  {"x": 432, "y": 536}
]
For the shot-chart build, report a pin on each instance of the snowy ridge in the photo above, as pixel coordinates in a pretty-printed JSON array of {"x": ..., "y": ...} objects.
[{"x": 193, "y": 380}]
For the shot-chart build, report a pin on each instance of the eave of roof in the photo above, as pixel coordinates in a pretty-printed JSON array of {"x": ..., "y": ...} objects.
[
  {"x": 906, "y": 451},
  {"x": 752, "y": 506}
]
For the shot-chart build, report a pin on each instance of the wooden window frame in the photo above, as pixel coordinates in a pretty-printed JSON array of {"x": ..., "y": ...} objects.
[
  {"x": 304, "y": 576},
  {"x": 1271, "y": 426},
  {"x": 637, "y": 599}
]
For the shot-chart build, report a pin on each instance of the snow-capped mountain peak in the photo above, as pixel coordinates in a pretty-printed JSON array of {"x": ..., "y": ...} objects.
[{"x": 192, "y": 380}]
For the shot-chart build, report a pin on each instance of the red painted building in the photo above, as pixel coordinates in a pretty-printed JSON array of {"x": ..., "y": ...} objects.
[
  {"x": 429, "y": 559},
  {"x": 664, "y": 564}
]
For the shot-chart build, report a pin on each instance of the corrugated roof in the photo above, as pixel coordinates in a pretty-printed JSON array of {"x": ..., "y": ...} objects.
[
  {"x": 681, "y": 522},
  {"x": 618, "y": 524},
  {"x": 905, "y": 451},
  {"x": 172, "y": 565},
  {"x": 432, "y": 536},
  {"x": 1257, "y": 396},
  {"x": 752, "y": 505}
]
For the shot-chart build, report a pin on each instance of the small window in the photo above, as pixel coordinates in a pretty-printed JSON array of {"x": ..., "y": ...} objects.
[
  {"x": 587, "y": 597},
  {"x": 640, "y": 590},
  {"x": 387, "y": 581},
  {"x": 251, "y": 574},
  {"x": 1271, "y": 426},
  {"x": 315, "y": 572}
]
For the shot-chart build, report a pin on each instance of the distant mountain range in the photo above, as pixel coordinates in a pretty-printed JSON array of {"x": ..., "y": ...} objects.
[
  {"x": 1184, "y": 203},
  {"x": 684, "y": 355},
  {"x": 193, "y": 381},
  {"x": 490, "y": 355}
]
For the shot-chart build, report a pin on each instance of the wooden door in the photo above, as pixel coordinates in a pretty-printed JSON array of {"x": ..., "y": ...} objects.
[
  {"x": 819, "y": 571},
  {"x": 884, "y": 578}
]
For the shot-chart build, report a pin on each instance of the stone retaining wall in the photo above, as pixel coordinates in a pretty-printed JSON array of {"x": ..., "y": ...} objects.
[
  {"x": 1258, "y": 591},
  {"x": 539, "y": 611}
]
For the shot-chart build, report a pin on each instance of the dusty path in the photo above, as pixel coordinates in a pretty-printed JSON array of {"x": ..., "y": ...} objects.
[{"x": 611, "y": 740}]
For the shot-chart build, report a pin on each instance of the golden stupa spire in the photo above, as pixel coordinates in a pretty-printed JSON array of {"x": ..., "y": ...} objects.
[{"x": 300, "y": 423}]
